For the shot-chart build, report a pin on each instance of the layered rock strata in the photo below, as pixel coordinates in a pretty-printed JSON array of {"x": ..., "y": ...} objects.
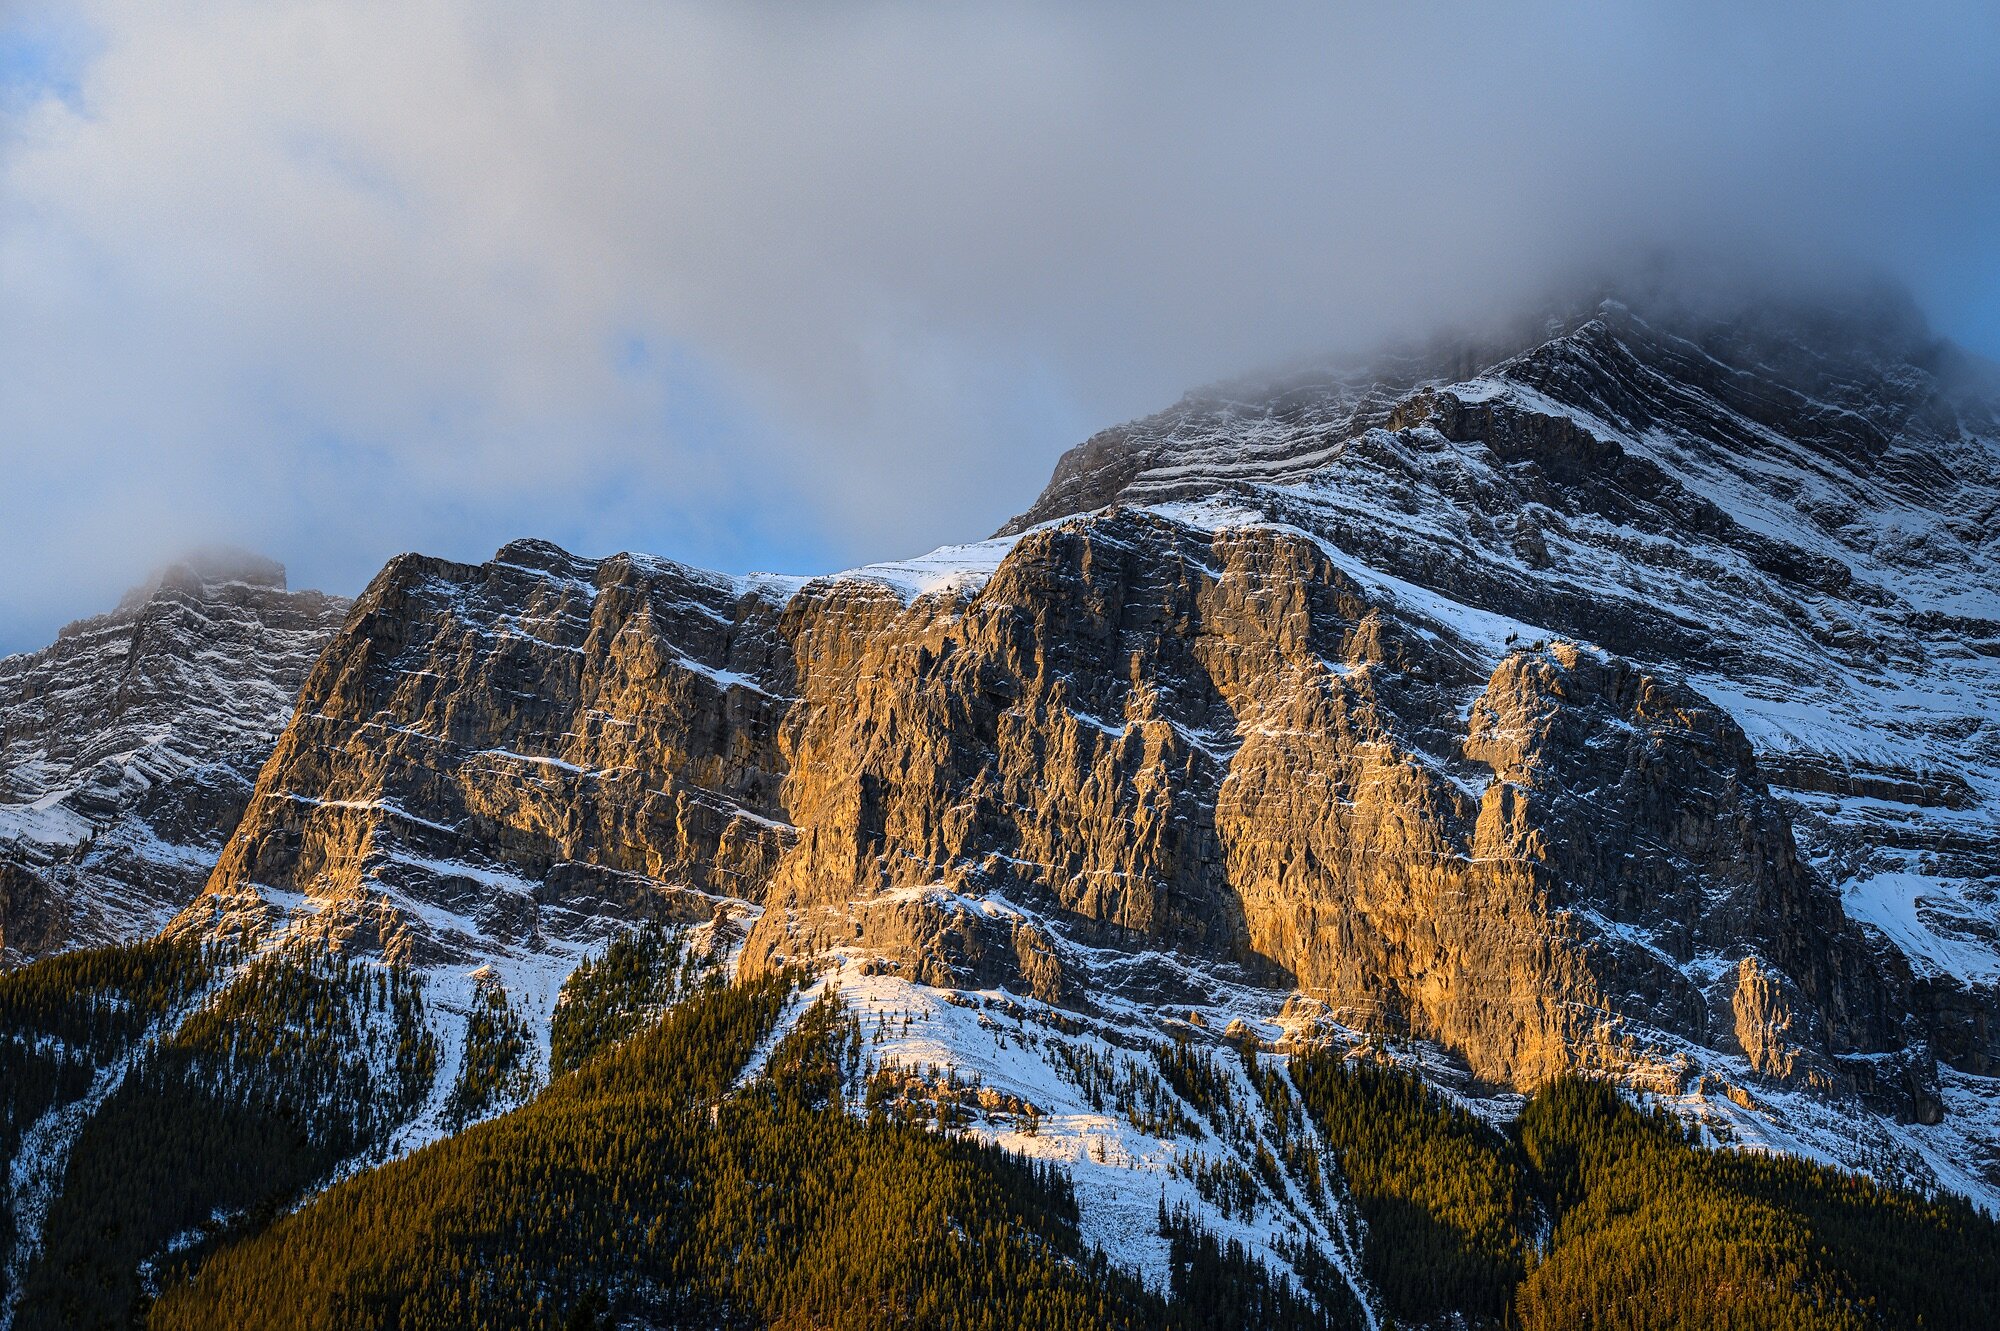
[{"x": 1134, "y": 736}]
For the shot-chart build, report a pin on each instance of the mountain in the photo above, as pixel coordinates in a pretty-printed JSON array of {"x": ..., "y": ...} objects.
[
  {"x": 128, "y": 747},
  {"x": 1277, "y": 840},
  {"x": 1793, "y": 511}
]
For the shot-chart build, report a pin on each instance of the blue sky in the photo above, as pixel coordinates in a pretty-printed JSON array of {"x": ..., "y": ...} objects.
[{"x": 799, "y": 286}]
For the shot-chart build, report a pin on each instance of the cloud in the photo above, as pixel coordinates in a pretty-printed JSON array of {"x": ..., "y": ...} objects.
[{"x": 805, "y": 284}]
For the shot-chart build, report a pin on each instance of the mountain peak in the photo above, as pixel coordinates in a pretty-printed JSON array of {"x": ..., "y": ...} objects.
[
  {"x": 128, "y": 745},
  {"x": 201, "y": 570},
  {"x": 1789, "y": 359}
]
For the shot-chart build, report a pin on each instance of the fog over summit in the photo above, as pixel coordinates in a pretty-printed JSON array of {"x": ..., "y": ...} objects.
[{"x": 804, "y": 286}]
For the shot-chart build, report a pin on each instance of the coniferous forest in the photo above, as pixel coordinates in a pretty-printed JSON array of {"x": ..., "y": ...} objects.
[{"x": 681, "y": 1170}]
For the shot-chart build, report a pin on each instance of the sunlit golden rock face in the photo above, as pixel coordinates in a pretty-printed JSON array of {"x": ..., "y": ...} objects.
[
  {"x": 1137, "y": 739},
  {"x": 486, "y": 752}
]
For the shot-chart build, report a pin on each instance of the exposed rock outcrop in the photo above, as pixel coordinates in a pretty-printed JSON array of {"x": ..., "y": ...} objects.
[{"x": 1136, "y": 735}]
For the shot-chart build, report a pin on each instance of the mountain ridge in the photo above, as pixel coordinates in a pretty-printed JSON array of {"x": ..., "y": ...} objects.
[
  {"x": 1620, "y": 706},
  {"x": 1133, "y": 648}
]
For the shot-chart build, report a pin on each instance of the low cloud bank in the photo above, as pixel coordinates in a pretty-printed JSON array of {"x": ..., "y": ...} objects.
[{"x": 802, "y": 285}]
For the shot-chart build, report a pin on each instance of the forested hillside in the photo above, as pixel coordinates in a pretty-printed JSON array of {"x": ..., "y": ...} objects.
[{"x": 710, "y": 1154}]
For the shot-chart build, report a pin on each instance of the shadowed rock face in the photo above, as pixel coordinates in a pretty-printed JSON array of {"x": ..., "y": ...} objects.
[{"x": 129, "y": 746}]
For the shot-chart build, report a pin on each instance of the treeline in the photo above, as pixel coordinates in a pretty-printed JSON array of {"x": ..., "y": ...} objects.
[
  {"x": 651, "y": 1183},
  {"x": 1218, "y": 1284},
  {"x": 496, "y": 1065},
  {"x": 65, "y": 1019},
  {"x": 1655, "y": 1233},
  {"x": 611, "y": 997},
  {"x": 1446, "y": 1199}
]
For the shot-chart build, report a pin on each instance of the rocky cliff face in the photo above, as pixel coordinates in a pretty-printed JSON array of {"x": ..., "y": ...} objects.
[
  {"x": 1139, "y": 735},
  {"x": 1622, "y": 702},
  {"x": 128, "y": 747},
  {"x": 1796, "y": 512}
]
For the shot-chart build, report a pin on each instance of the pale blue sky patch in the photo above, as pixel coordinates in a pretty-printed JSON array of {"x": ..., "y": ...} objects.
[
  {"x": 354, "y": 170},
  {"x": 42, "y": 55}
]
